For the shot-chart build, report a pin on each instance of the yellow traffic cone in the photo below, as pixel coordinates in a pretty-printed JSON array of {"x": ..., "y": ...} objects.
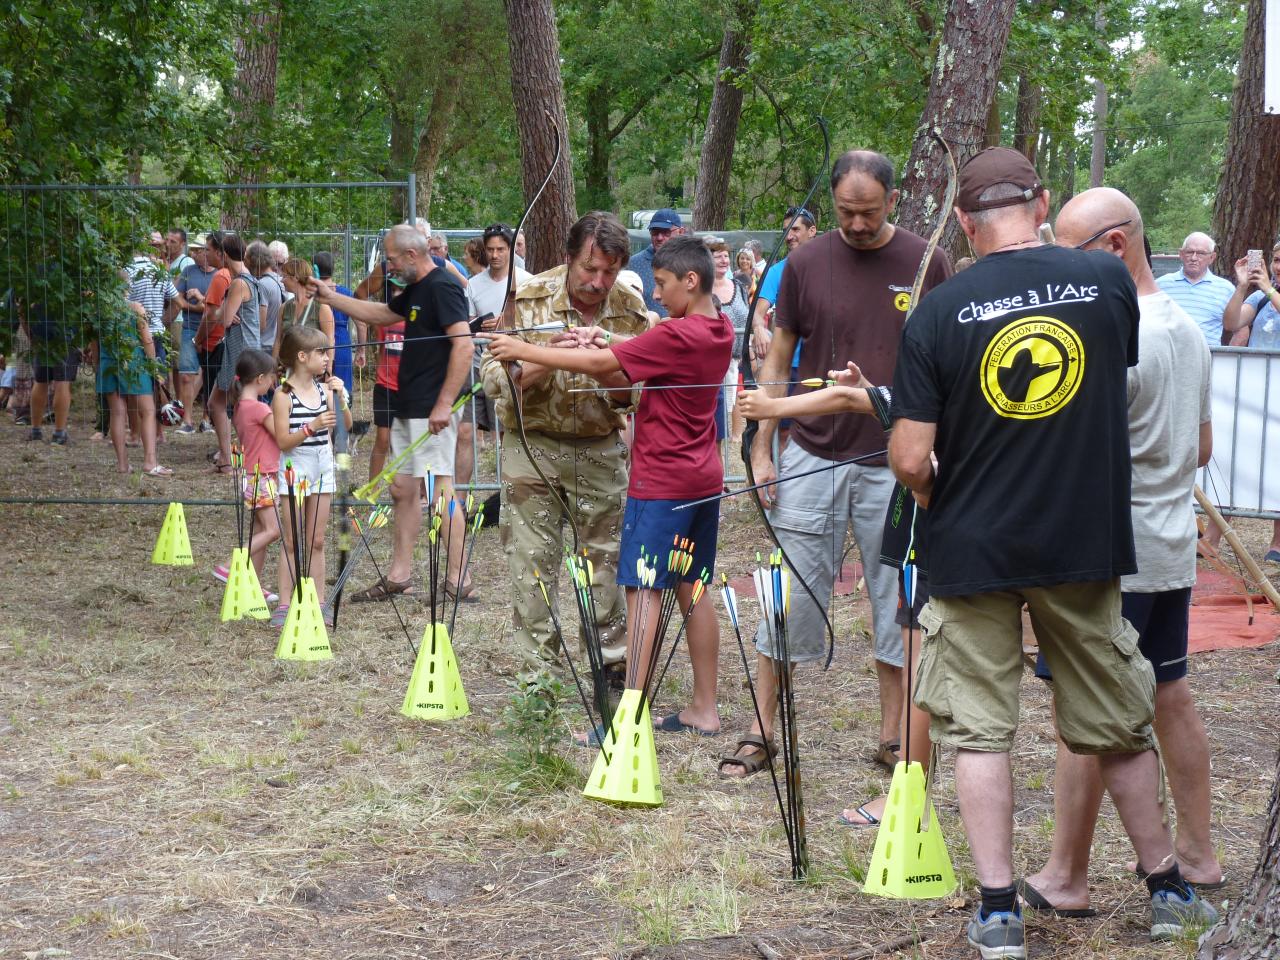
[
  {"x": 435, "y": 688},
  {"x": 910, "y": 860},
  {"x": 173, "y": 548},
  {"x": 243, "y": 594},
  {"x": 304, "y": 636},
  {"x": 626, "y": 769}
]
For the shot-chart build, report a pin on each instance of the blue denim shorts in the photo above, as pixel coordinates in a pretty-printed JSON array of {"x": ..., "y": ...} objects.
[
  {"x": 188, "y": 359},
  {"x": 652, "y": 525}
]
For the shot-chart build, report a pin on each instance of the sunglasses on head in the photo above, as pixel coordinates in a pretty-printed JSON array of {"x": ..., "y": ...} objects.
[{"x": 1104, "y": 230}]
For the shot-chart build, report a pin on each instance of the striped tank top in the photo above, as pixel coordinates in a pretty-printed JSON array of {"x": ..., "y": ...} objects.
[{"x": 301, "y": 414}]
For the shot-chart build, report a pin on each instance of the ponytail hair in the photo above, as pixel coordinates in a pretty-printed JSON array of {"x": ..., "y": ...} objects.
[
  {"x": 251, "y": 365},
  {"x": 296, "y": 340}
]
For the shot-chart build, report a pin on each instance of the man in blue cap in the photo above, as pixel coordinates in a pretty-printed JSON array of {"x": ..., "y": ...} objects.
[{"x": 663, "y": 225}]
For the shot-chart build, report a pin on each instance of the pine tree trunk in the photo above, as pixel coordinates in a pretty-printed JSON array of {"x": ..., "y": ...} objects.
[
  {"x": 431, "y": 144},
  {"x": 1098, "y": 154},
  {"x": 538, "y": 92},
  {"x": 715, "y": 164},
  {"x": 1026, "y": 126},
  {"x": 1252, "y": 929},
  {"x": 961, "y": 90},
  {"x": 991, "y": 138},
  {"x": 596, "y": 175},
  {"x": 1248, "y": 203},
  {"x": 253, "y": 101}
]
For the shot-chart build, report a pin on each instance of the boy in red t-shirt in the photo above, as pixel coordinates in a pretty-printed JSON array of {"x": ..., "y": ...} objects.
[{"x": 674, "y": 458}]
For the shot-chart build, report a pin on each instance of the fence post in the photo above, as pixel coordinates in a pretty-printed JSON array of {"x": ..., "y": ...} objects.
[{"x": 411, "y": 199}]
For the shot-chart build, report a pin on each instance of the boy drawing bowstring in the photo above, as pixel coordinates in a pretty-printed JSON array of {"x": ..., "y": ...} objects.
[{"x": 674, "y": 459}]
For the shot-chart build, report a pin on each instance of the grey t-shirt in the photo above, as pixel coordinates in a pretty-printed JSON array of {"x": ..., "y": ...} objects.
[
  {"x": 1169, "y": 394},
  {"x": 271, "y": 289}
]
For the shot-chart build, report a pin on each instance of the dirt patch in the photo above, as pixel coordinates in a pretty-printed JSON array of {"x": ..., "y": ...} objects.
[{"x": 168, "y": 789}]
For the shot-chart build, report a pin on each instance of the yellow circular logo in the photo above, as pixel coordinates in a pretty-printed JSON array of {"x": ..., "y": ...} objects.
[
  {"x": 1032, "y": 368},
  {"x": 902, "y": 301}
]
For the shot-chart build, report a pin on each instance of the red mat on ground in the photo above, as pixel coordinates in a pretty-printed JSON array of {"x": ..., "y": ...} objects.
[{"x": 1219, "y": 615}]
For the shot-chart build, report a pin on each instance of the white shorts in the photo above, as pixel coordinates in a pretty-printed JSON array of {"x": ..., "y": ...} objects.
[
  {"x": 434, "y": 455},
  {"x": 313, "y": 464}
]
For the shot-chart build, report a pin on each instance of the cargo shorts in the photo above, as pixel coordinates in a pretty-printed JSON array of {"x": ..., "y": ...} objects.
[{"x": 971, "y": 667}]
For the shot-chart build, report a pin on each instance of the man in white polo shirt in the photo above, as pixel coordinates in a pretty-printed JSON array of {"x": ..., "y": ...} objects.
[{"x": 1203, "y": 295}]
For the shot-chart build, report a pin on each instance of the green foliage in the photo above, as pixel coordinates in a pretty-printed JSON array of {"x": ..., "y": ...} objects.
[
  {"x": 1169, "y": 116},
  {"x": 532, "y": 725}
]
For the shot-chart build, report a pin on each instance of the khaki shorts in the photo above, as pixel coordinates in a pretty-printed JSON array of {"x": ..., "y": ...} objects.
[
  {"x": 971, "y": 666},
  {"x": 434, "y": 454}
]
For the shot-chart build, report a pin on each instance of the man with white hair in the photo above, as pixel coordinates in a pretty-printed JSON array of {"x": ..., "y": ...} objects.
[
  {"x": 1198, "y": 291},
  {"x": 434, "y": 363},
  {"x": 279, "y": 251}
]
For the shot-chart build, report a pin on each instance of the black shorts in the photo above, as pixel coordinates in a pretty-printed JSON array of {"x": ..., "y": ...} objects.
[
  {"x": 384, "y": 405},
  {"x": 210, "y": 364},
  {"x": 64, "y": 370},
  {"x": 479, "y": 409},
  {"x": 1162, "y": 621},
  {"x": 900, "y": 616}
]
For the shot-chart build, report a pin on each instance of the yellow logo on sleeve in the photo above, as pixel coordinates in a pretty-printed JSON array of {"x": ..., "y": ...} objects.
[
  {"x": 1032, "y": 368},
  {"x": 902, "y": 302}
]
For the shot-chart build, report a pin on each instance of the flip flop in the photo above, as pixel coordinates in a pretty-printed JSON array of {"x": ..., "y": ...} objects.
[
  {"x": 1033, "y": 899},
  {"x": 594, "y": 738},
  {"x": 870, "y": 819},
  {"x": 158, "y": 471},
  {"x": 888, "y": 755},
  {"x": 672, "y": 723}
]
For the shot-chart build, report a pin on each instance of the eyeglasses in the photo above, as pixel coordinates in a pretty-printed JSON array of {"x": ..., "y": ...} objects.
[
  {"x": 802, "y": 213},
  {"x": 498, "y": 230},
  {"x": 1196, "y": 253},
  {"x": 1104, "y": 230}
]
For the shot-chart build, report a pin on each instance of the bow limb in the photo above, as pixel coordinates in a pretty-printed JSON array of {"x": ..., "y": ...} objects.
[
  {"x": 948, "y": 201},
  {"x": 342, "y": 473},
  {"x": 508, "y": 314},
  {"x": 750, "y": 383}
]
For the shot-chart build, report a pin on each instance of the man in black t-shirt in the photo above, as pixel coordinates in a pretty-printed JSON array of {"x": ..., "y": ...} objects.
[
  {"x": 432, "y": 371},
  {"x": 1014, "y": 373}
]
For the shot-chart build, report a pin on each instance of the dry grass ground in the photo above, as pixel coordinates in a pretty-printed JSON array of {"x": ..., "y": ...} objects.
[{"x": 167, "y": 789}]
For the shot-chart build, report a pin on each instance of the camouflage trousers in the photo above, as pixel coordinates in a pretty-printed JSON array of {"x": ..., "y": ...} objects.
[{"x": 591, "y": 477}]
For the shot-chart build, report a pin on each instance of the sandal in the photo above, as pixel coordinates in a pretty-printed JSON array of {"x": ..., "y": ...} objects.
[
  {"x": 220, "y": 468},
  {"x": 468, "y": 593},
  {"x": 888, "y": 756},
  {"x": 759, "y": 757},
  {"x": 381, "y": 590},
  {"x": 158, "y": 471}
]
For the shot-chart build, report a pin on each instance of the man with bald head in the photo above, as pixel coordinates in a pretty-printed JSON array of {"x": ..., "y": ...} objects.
[
  {"x": 1170, "y": 435},
  {"x": 1014, "y": 374},
  {"x": 1202, "y": 294}
]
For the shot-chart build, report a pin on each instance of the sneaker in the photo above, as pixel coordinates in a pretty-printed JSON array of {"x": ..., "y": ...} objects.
[
  {"x": 22, "y": 421},
  {"x": 60, "y": 437},
  {"x": 48, "y": 416},
  {"x": 1000, "y": 935},
  {"x": 221, "y": 573},
  {"x": 281, "y": 614},
  {"x": 186, "y": 430},
  {"x": 206, "y": 426},
  {"x": 1172, "y": 915},
  {"x": 35, "y": 434},
  {"x": 270, "y": 597}
]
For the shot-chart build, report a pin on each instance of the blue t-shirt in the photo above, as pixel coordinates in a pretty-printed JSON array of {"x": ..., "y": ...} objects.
[
  {"x": 769, "y": 291},
  {"x": 1265, "y": 332},
  {"x": 642, "y": 265},
  {"x": 193, "y": 278},
  {"x": 1203, "y": 301}
]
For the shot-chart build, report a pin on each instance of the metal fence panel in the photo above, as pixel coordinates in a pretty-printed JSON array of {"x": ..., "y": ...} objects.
[{"x": 1244, "y": 475}]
